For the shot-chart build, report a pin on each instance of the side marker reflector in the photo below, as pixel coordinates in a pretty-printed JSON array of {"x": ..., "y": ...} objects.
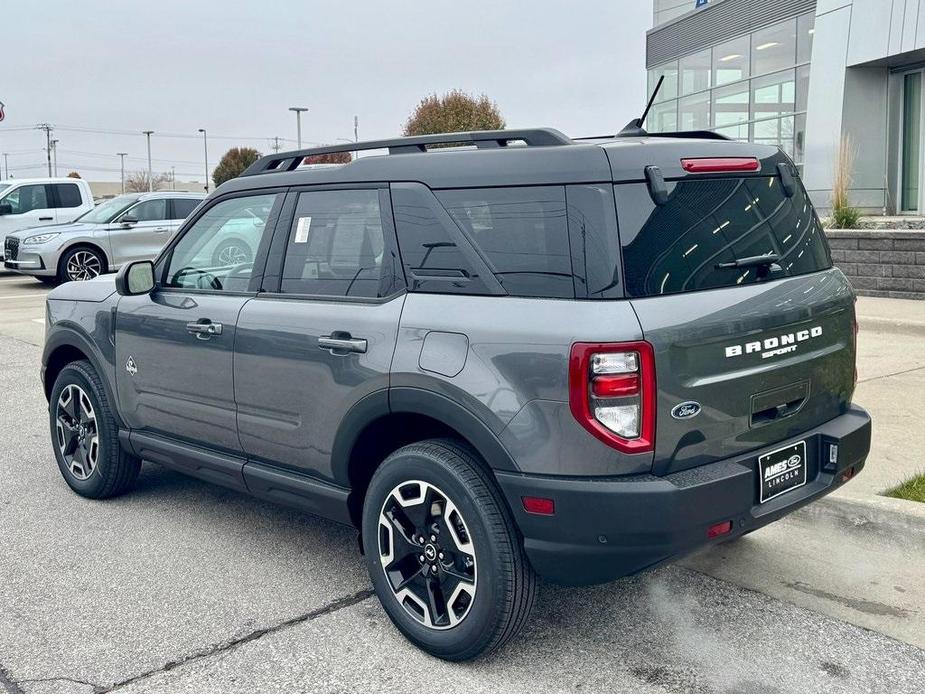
[
  {"x": 719, "y": 529},
  {"x": 539, "y": 506}
]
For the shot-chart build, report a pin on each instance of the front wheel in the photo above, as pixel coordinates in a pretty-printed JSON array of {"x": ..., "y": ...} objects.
[
  {"x": 443, "y": 553},
  {"x": 85, "y": 435},
  {"x": 80, "y": 264}
]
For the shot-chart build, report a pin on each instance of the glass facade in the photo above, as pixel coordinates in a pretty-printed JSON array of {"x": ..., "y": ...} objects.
[{"x": 752, "y": 87}]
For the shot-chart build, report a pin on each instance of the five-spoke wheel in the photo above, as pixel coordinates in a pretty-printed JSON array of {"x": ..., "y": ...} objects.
[
  {"x": 77, "y": 434},
  {"x": 427, "y": 554}
]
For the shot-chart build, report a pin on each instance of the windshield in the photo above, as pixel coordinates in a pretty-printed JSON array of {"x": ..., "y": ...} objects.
[{"x": 107, "y": 211}]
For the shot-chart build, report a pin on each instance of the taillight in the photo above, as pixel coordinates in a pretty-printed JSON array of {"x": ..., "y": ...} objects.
[
  {"x": 612, "y": 393},
  {"x": 720, "y": 164}
]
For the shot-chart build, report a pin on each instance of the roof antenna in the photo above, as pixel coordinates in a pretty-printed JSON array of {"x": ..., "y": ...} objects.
[{"x": 634, "y": 127}]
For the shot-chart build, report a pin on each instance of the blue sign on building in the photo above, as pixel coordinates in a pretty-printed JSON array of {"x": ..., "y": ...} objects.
[{"x": 700, "y": 3}]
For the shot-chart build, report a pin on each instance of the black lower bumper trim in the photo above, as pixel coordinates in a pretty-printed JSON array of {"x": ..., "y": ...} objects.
[{"x": 605, "y": 528}]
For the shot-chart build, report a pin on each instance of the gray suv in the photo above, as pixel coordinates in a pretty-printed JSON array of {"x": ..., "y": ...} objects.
[
  {"x": 128, "y": 227},
  {"x": 524, "y": 356}
]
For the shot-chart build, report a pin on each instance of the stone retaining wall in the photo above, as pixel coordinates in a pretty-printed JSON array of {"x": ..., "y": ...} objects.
[{"x": 881, "y": 262}]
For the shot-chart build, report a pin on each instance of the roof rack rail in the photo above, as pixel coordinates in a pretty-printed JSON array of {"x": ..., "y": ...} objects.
[{"x": 483, "y": 139}]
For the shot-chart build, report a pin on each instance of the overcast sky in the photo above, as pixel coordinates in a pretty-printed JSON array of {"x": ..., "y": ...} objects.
[{"x": 234, "y": 67}]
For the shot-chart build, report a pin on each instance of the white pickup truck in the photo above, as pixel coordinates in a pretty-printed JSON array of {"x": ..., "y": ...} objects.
[{"x": 37, "y": 202}]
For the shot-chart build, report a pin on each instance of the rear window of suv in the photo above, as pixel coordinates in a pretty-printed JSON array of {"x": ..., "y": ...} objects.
[{"x": 676, "y": 247}]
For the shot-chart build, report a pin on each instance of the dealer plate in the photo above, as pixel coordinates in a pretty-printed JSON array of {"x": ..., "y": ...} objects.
[{"x": 781, "y": 470}]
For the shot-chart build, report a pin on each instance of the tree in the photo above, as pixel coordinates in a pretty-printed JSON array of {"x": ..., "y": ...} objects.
[
  {"x": 455, "y": 111},
  {"x": 333, "y": 158},
  {"x": 137, "y": 181},
  {"x": 233, "y": 163},
  {"x": 73, "y": 174}
]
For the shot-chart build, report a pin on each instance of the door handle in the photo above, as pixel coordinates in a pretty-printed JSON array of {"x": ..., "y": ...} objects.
[
  {"x": 340, "y": 342},
  {"x": 46, "y": 219},
  {"x": 204, "y": 329},
  {"x": 161, "y": 229}
]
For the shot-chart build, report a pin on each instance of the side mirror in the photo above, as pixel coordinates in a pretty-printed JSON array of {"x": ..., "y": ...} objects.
[
  {"x": 128, "y": 220},
  {"x": 135, "y": 278},
  {"x": 6, "y": 208}
]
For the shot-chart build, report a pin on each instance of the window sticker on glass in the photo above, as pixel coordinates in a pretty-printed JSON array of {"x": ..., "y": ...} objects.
[{"x": 301, "y": 231}]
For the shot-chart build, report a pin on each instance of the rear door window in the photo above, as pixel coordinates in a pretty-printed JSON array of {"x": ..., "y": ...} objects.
[
  {"x": 68, "y": 195},
  {"x": 182, "y": 207},
  {"x": 337, "y": 246},
  {"x": 521, "y": 232},
  {"x": 676, "y": 247}
]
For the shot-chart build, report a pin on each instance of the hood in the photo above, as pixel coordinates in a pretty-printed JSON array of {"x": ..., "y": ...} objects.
[
  {"x": 65, "y": 228},
  {"x": 95, "y": 290}
]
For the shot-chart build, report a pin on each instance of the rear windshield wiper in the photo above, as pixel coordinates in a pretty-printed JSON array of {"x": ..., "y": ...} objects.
[{"x": 752, "y": 261}]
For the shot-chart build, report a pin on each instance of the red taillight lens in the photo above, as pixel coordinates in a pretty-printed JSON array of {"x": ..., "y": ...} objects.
[
  {"x": 720, "y": 164},
  {"x": 615, "y": 386},
  {"x": 539, "y": 506},
  {"x": 612, "y": 393},
  {"x": 719, "y": 529}
]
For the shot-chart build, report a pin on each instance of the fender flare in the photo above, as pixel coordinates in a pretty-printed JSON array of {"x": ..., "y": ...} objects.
[
  {"x": 67, "y": 336},
  {"x": 419, "y": 401}
]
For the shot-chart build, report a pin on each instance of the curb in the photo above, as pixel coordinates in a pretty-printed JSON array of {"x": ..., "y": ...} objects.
[
  {"x": 895, "y": 324},
  {"x": 879, "y": 514}
]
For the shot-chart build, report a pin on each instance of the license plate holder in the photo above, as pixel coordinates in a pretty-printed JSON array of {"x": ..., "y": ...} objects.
[{"x": 782, "y": 470}]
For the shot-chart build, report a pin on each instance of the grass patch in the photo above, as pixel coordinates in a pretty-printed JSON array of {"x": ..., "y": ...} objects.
[{"x": 912, "y": 489}]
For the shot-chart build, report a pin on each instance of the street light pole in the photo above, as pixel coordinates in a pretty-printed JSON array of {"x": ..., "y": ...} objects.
[
  {"x": 205, "y": 152},
  {"x": 299, "y": 110},
  {"x": 54, "y": 152},
  {"x": 6, "y": 164},
  {"x": 122, "y": 156},
  {"x": 149, "y": 133}
]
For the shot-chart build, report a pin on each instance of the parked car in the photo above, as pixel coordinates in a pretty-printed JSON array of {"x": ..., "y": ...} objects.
[
  {"x": 462, "y": 354},
  {"x": 37, "y": 202},
  {"x": 126, "y": 228}
]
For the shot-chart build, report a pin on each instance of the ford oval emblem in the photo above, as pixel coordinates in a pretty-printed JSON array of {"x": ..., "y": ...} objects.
[{"x": 686, "y": 410}]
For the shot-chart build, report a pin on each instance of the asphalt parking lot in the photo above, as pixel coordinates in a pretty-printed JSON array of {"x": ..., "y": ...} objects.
[{"x": 186, "y": 587}]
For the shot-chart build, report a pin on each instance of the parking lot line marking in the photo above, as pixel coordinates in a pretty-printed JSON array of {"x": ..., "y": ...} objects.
[
  {"x": 23, "y": 296},
  {"x": 38, "y": 320}
]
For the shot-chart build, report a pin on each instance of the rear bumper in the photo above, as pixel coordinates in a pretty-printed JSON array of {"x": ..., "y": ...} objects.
[{"x": 607, "y": 528}]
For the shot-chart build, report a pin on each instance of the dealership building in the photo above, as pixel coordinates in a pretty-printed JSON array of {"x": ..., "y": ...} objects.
[{"x": 801, "y": 74}]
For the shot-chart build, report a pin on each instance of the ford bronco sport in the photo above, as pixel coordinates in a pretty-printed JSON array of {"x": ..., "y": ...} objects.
[{"x": 528, "y": 355}]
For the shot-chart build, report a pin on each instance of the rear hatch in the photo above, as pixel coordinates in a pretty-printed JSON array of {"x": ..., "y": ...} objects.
[{"x": 746, "y": 355}]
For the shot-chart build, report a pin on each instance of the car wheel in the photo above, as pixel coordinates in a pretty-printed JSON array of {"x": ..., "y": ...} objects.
[
  {"x": 80, "y": 264},
  {"x": 85, "y": 436},
  {"x": 444, "y": 556},
  {"x": 232, "y": 252}
]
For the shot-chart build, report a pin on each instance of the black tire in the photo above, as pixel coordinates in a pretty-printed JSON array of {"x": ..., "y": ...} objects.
[
  {"x": 92, "y": 255},
  {"x": 504, "y": 582},
  {"x": 114, "y": 471},
  {"x": 232, "y": 252}
]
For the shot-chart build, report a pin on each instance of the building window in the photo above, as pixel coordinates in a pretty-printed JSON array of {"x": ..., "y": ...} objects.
[
  {"x": 663, "y": 118},
  {"x": 774, "y": 48},
  {"x": 694, "y": 72},
  {"x": 730, "y": 61},
  {"x": 805, "y": 29},
  {"x": 669, "y": 88},
  {"x": 773, "y": 95},
  {"x": 694, "y": 112},
  {"x": 730, "y": 110}
]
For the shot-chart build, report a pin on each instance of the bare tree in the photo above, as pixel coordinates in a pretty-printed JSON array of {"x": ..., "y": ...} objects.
[{"x": 137, "y": 181}]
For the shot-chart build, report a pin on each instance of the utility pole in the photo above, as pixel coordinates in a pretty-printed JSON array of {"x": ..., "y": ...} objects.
[
  {"x": 6, "y": 164},
  {"x": 173, "y": 177},
  {"x": 276, "y": 143},
  {"x": 149, "y": 133},
  {"x": 205, "y": 152},
  {"x": 54, "y": 152},
  {"x": 356, "y": 137},
  {"x": 299, "y": 110},
  {"x": 47, "y": 128},
  {"x": 121, "y": 156}
]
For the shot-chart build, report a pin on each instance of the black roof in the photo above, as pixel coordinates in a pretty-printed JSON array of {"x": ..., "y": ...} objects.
[{"x": 541, "y": 156}]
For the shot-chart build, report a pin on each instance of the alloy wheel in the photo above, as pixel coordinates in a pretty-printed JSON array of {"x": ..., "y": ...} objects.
[
  {"x": 83, "y": 265},
  {"x": 427, "y": 554},
  {"x": 77, "y": 432},
  {"x": 233, "y": 255}
]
